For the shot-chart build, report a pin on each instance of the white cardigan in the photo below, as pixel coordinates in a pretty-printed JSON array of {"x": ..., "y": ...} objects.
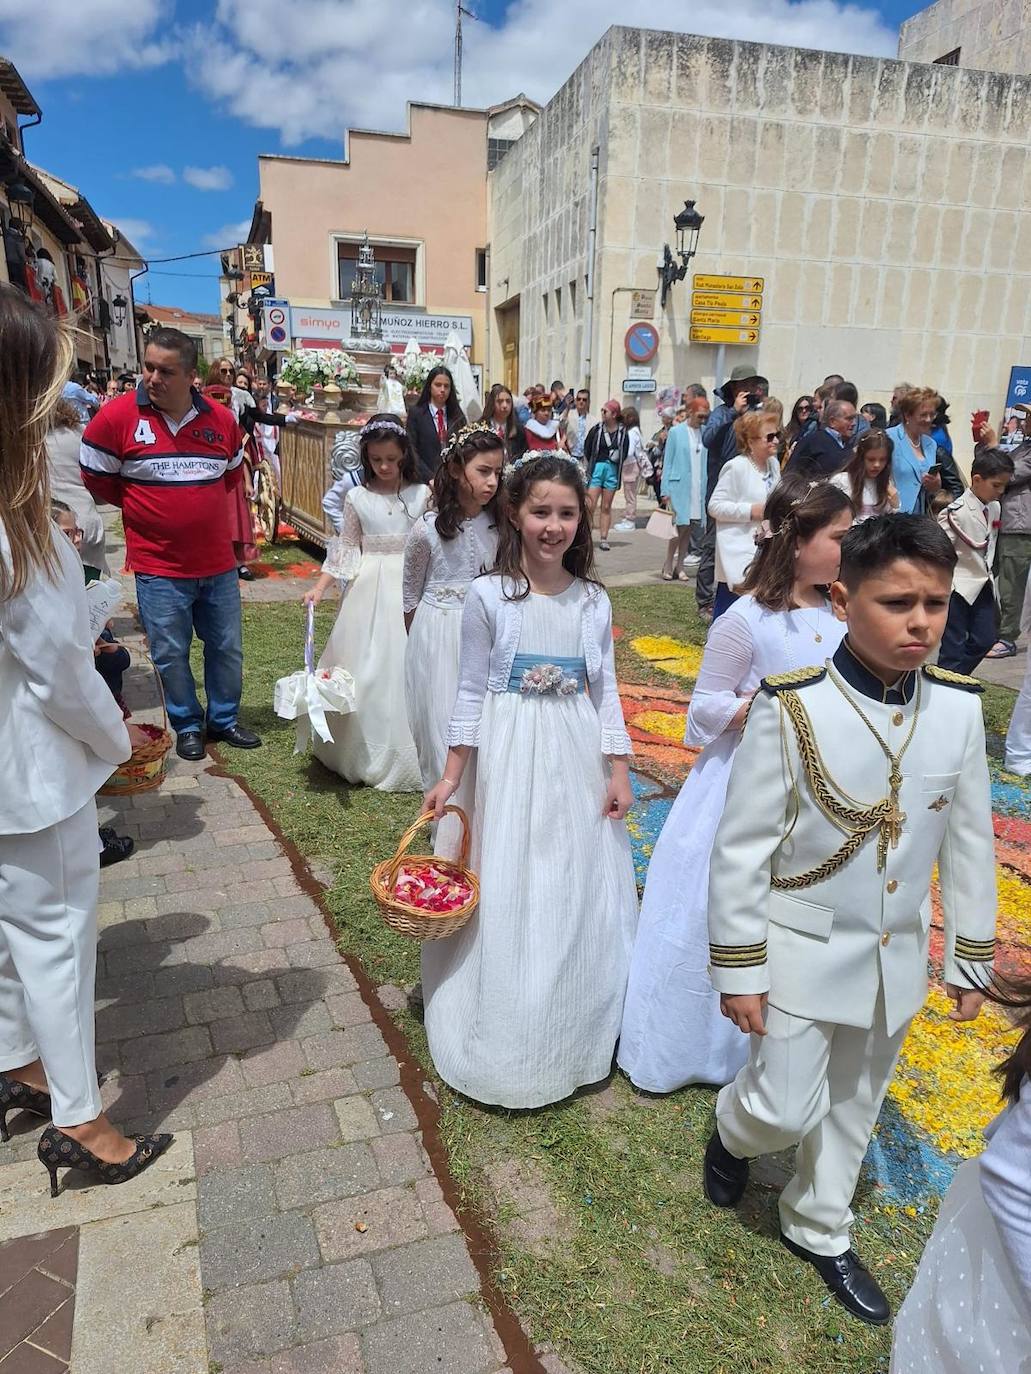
[
  {"x": 61, "y": 733},
  {"x": 490, "y": 640},
  {"x": 739, "y": 488}
]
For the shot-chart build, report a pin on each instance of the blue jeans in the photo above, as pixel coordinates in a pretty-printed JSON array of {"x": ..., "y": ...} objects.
[{"x": 171, "y": 608}]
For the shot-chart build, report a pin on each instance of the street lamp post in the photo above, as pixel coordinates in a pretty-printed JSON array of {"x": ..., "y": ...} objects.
[{"x": 688, "y": 225}]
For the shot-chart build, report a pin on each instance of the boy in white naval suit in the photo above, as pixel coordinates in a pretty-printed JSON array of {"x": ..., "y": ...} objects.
[
  {"x": 972, "y": 525},
  {"x": 851, "y": 781}
]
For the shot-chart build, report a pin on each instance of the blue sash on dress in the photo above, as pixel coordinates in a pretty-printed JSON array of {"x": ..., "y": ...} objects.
[{"x": 571, "y": 667}]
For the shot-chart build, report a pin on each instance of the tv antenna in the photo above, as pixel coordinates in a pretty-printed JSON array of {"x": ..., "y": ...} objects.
[{"x": 460, "y": 9}]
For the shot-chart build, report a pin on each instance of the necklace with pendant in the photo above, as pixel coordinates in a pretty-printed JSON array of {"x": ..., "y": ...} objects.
[{"x": 817, "y": 636}]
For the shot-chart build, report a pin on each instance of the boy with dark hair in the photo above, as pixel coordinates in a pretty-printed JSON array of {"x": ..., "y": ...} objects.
[
  {"x": 850, "y": 782},
  {"x": 972, "y": 525}
]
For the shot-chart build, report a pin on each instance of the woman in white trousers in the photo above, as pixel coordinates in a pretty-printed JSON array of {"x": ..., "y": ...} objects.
[{"x": 61, "y": 736}]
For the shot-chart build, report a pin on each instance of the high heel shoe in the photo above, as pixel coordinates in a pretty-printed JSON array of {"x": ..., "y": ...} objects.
[
  {"x": 19, "y": 1097},
  {"x": 59, "y": 1151}
]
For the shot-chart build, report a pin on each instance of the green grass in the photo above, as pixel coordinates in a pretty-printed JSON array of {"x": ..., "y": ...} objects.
[
  {"x": 288, "y": 553},
  {"x": 640, "y": 1275}
]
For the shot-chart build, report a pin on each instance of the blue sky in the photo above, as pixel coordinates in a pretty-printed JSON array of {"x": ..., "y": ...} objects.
[{"x": 157, "y": 109}]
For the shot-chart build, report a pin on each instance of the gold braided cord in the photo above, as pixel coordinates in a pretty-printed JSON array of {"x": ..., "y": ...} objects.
[{"x": 856, "y": 822}]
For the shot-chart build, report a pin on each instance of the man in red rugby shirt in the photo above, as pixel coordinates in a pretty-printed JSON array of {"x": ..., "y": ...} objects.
[{"x": 167, "y": 457}]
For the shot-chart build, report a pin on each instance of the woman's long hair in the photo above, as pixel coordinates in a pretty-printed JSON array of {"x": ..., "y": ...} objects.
[
  {"x": 452, "y": 410},
  {"x": 1015, "y": 995},
  {"x": 447, "y": 496},
  {"x": 793, "y": 428},
  {"x": 512, "y": 425},
  {"x": 578, "y": 559},
  {"x": 855, "y": 468},
  {"x": 795, "y": 510},
  {"x": 36, "y": 354}
]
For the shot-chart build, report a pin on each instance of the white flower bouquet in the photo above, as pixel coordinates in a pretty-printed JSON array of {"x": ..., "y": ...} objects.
[
  {"x": 416, "y": 367},
  {"x": 342, "y": 369},
  {"x": 304, "y": 369}
]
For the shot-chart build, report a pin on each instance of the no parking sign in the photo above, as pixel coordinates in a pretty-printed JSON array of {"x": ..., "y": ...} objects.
[
  {"x": 276, "y": 327},
  {"x": 641, "y": 342}
]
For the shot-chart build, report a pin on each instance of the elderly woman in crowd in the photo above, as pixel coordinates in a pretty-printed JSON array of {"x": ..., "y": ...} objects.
[{"x": 738, "y": 501}]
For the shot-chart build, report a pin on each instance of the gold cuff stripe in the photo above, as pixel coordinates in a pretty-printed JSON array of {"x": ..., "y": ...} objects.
[
  {"x": 743, "y": 956},
  {"x": 759, "y": 944},
  {"x": 975, "y": 951}
]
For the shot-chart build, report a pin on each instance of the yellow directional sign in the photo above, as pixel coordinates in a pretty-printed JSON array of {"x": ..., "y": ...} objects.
[
  {"x": 703, "y": 283},
  {"x": 726, "y": 300},
  {"x": 724, "y": 336},
  {"x": 748, "y": 319}
]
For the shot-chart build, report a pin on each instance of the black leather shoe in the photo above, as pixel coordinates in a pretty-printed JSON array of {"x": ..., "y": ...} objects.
[
  {"x": 849, "y": 1280},
  {"x": 189, "y": 744},
  {"x": 59, "y": 1151},
  {"x": 116, "y": 847},
  {"x": 725, "y": 1175},
  {"x": 15, "y": 1097},
  {"x": 244, "y": 574},
  {"x": 236, "y": 736}
]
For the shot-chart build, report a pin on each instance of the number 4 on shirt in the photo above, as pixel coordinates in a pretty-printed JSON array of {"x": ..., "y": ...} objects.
[{"x": 144, "y": 434}]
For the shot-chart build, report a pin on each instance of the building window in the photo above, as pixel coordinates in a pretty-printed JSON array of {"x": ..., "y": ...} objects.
[
  {"x": 481, "y": 269},
  {"x": 395, "y": 271},
  {"x": 951, "y": 59},
  {"x": 496, "y": 150}
]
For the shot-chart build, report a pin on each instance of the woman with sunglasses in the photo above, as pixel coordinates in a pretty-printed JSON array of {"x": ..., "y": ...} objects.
[
  {"x": 738, "y": 501},
  {"x": 803, "y": 419}
]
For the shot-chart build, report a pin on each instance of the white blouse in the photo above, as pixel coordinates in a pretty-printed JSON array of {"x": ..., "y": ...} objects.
[
  {"x": 373, "y": 524},
  {"x": 490, "y": 641},
  {"x": 1006, "y": 1182},
  {"x": 740, "y": 486},
  {"x": 869, "y": 506},
  {"x": 439, "y": 570}
]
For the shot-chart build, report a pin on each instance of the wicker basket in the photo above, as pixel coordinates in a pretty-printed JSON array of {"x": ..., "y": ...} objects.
[
  {"x": 412, "y": 921},
  {"x": 145, "y": 768}
]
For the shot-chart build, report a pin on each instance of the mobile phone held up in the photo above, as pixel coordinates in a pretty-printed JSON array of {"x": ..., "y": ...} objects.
[{"x": 977, "y": 422}]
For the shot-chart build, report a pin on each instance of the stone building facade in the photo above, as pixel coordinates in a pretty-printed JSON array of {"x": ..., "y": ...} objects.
[
  {"x": 883, "y": 202},
  {"x": 992, "y": 35}
]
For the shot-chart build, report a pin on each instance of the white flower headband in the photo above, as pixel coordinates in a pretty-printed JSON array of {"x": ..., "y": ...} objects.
[
  {"x": 385, "y": 426},
  {"x": 765, "y": 530}
]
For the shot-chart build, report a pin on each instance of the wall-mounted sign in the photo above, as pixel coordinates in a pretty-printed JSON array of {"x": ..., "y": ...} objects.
[
  {"x": 704, "y": 283},
  {"x": 642, "y": 305},
  {"x": 726, "y": 300},
  {"x": 726, "y": 310},
  {"x": 638, "y": 370},
  {"x": 746, "y": 319},
  {"x": 253, "y": 257},
  {"x": 261, "y": 279},
  {"x": 638, "y": 386},
  {"x": 641, "y": 342},
  {"x": 319, "y": 325},
  {"x": 724, "y": 336}
]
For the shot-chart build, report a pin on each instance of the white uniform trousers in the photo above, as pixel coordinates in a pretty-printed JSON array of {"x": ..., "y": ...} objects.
[
  {"x": 820, "y": 1085},
  {"x": 48, "y": 959}
]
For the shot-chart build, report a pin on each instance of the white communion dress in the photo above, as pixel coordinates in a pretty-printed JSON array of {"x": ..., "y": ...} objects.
[
  {"x": 437, "y": 574},
  {"x": 372, "y": 744},
  {"x": 673, "y": 1031},
  {"x": 523, "y": 1004}
]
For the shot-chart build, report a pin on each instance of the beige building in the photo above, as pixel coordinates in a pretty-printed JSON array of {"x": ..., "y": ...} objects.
[
  {"x": 117, "y": 274},
  {"x": 883, "y": 203},
  {"x": 205, "y": 330},
  {"x": 422, "y": 198},
  {"x": 991, "y": 35}
]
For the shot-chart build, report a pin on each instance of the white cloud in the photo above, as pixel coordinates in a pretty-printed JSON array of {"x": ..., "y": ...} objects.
[
  {"x": 208, "y": 178},
  {"x": 332, "y": 75},
  {"x": 157, "y": 171},
  {"x": 229, "y": 235},
  {"x": 137, "y": 231},
  {"x": 84, "y": 37}
]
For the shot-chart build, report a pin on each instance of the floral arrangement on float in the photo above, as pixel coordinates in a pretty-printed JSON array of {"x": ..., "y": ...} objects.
[
  {"x": 305, "y": 369},
  {"x": 415, "y": 368},
  {"x": 342, "y": 369}
]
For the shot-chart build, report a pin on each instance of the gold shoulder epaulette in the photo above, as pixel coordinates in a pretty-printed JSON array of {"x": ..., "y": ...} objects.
[
  {"x": 786, "y": 682},
  {"x": 960, "y": 680}
]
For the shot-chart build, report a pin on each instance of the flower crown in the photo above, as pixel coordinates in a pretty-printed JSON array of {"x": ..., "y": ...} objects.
[
  {"x": 765, "y": 530},
  {"x": 537, "y": 456},
  {"x": 460, "y": 436},
  {"x": 383, "y": 427}
]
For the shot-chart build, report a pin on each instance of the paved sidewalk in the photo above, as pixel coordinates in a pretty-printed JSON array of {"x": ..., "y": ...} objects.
[{"x": 298, "y": 1223}]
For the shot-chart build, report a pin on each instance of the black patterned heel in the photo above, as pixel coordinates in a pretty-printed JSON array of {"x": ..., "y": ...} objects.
[
  {"x": 59, "y": 1151},
  {"x": 19, "y": 1097}
]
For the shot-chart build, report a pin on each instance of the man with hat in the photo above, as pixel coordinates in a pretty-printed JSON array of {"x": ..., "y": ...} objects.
[{"x": 745, "y": 390}]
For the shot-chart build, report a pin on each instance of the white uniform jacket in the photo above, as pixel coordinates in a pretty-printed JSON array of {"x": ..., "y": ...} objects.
[
  {"x": 823, "y": 952},
  {"x": 490, "y": 640},
  {"x": 973, "y": 529},
  {"x": 61, "y": 733}
]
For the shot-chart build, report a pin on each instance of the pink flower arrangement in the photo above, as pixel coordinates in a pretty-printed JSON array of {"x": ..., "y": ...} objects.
[{"x": 431, "y": 888}]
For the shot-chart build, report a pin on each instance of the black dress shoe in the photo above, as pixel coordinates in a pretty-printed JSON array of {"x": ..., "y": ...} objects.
[
  {"x": 244, "y": 574},
  {"x": 725, "y": 1175},
  {"x": 189, "y": 744},
  {"x": 850, "y": 1282},
  {"x": 236, "y": 736},
  {"x": 116, "y": 847}
]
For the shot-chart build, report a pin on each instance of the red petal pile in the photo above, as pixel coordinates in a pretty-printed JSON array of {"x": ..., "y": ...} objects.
[{"x": 431, "y": 888}]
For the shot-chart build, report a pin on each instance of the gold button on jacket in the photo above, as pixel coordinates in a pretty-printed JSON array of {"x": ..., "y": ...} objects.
[{"x": 892, "y": 885}]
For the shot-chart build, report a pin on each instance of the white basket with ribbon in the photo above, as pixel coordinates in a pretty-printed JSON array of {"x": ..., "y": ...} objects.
[{"x": 307, "y": 697}]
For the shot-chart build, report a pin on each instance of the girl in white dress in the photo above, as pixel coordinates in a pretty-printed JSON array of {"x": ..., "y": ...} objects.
[
  {"x": 969, "y": 1308},
  {"x": 673, "y": 1033},
  {"x": 866, "y": 478},
  {"x": 523, "y": 1005},
  {"x": 446, "y": 549},
  {"x": 373, "y": 744}
]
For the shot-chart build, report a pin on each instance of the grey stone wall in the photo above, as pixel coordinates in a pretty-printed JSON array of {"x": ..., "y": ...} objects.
[{"x": 992, "y": 35}]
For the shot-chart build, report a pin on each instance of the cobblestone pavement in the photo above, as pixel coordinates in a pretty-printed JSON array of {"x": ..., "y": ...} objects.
[{"x": 298, "y": 1222}]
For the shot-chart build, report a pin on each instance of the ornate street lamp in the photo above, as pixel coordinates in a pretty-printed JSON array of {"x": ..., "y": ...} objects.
[
  {"x": 688, "y": 225},
  {"x": 119, "y": 305},
  {"x": 21, "y": 198}
]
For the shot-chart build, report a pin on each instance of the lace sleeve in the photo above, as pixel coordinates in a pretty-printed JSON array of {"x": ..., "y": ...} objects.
[
  {"x": 416, "y": 565},
  {"x": 725, "y": 666},
  {"x": 344, "y": 553},
  {"x": 605, "y": 692}
]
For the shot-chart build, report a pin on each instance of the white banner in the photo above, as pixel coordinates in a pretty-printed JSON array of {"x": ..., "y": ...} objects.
[{"x": 400, "y": 323}]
